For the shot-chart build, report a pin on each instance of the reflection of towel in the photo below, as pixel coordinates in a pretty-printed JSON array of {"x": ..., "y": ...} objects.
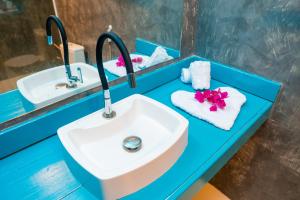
[
  {"x": 112, "y": 67},
  {"x": 222, "y": 118},
  {"x": 198, "y": 74},
  {"x": 158, "y": 56}
]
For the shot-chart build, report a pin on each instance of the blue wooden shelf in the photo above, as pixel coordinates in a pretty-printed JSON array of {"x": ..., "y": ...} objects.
[{"x": 40, "y": 171}]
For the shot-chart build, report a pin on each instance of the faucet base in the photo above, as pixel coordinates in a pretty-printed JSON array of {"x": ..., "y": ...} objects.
[
  {"x": 71, "y": 85},
  {"x": 110, "y": 115}
]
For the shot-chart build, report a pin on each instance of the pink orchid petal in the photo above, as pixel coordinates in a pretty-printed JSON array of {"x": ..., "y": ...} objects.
[
  {"x": 213, "y": 108},
  {"x": 199, "y": 97},
  {"x": 120, "y": 64},
  {"x": 214, "y": 97},
  {"x": 120, "y": 58},
  {"x": 120, "y": 61},
  {"x": 206, "y": 93},
  {"x": 224, "y": 95},
  {"x": 221, "y": 104},
  {"x": 214, "y": 93}
]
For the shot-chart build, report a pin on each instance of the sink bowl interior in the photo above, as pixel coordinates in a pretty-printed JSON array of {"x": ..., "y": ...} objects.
[{"x": 102, "y": 145}]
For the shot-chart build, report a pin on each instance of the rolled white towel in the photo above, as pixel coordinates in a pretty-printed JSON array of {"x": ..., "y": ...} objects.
[
  {"x": 198, "y": 74},
  {"x": 186, "y": 75},
  {"x": 158, "y": 56},
  {"x": 222, "y": 118}
]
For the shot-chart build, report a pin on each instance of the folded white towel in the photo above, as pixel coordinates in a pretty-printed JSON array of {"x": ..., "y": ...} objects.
[
  {"x": 158, "y": 56},
  {"x": 222, "y": 118},
  {"x": 112, "y": 67},
  {"x": 198, "y": 74}
]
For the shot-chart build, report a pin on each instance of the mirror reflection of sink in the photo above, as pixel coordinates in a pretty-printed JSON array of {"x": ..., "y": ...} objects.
[
  {"x": 49, "y": 86},
  {"x": 129, "y": 151}
]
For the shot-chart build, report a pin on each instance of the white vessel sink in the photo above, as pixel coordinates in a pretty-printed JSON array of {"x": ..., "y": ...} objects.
[
  {"x": 96, "y": 144},
  {"x": 41, "y": 88}
]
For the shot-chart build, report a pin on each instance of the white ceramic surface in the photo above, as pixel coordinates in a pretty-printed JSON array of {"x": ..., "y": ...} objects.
[
  {"x": 39, "y": 88},
  {"x": 95, "y": 143}
]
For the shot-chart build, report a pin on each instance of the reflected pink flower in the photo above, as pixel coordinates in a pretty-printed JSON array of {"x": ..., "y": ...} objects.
[
  {"x": 137, "y": 60},
  {"x": 120, "y": 61}
]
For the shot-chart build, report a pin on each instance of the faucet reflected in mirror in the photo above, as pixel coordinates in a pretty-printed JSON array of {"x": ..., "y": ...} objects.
[
  {"x": 71, "y": 79},
  {"x": 35, "y": 78},
  {"x": 108, "y": 112}
]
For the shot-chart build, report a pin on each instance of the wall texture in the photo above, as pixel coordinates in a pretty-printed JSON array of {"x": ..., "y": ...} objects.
[
  {"x": 23, "y": 47},
  {"x": 262, "y": 37},
  {"x": 155, "y": 20}
]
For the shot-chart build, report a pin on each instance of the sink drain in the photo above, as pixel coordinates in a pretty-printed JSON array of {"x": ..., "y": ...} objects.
[
  {"x": 65, "y": 85},
  {"x": 132, "y": 143},
  {"x": 60, "y": 85}
]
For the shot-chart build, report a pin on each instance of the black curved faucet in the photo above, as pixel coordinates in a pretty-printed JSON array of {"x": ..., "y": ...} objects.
[
  {"x": 63, "y": 34},
  {"x": 108, "y": 112}
]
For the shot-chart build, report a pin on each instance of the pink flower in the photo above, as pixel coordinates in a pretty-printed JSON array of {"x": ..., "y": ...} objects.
[
  {"x": 120, "y": 61},
  {"x": 221, "y": 103},
  {"x": 224, "y": 95},
  {"x": 216, "y": 98},
  {"x": 137, "y": 60},
  {"x": 199, "y": 96},
  {"x": 206, "y": 93},
  {"x": 213, "y": 108}
]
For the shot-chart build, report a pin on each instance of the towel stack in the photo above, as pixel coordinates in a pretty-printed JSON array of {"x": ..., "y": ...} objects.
[
  {"x": 198, "y": 74},
  {"x": 223, "y": 118}
]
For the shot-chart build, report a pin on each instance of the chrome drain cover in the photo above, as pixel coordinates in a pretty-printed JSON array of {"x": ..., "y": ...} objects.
[{"x": 132, "y": 143}]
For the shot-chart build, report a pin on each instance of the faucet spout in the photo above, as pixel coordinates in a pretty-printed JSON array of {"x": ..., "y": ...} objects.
[
  {"x": 108, "y": 112},
  {"x": 64, "y": 39}
]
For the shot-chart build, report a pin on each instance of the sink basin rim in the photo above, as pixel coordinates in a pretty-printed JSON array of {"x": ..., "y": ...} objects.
[
  {"x": 93, "y": 169},
  {"x": 40, "y": 102}
]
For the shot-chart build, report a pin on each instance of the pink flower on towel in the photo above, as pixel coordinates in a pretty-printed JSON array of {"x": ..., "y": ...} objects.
[
  {"x": 199, "y": 96},
  {"x": 216, "y": 98},
  {"x": 213, "y": 108},
  {"x": 224, "y": 95},
  {"x": 121, "y": 62},
  {"x": 221, "y": 103}
]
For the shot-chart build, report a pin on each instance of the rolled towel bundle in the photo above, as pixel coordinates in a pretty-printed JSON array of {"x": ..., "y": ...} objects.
[
  {"x": 198, "y": 74},
  {"x": 158, "y": 56},
  {"x": 186, "y": 75}
]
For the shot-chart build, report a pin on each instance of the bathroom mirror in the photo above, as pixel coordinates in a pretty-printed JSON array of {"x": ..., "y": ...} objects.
[{"x": 33, "y": 75}]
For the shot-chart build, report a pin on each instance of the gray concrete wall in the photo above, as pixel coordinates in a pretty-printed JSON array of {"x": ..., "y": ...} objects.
[
  {"x": 155, "y": 20},
  {"x": 263, "y": 37},
  {"x": 22, "y": 32}
]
